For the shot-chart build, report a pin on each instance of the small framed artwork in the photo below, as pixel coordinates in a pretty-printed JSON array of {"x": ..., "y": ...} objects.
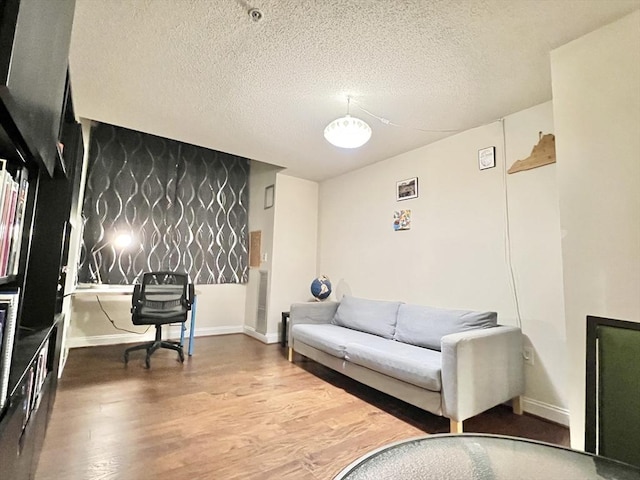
[
  {"x": 406, "y": 189},
  {"x": 402, "y": 220},
  {"x": 487, "y": 157},
  {"x": 268, "y": 196}
]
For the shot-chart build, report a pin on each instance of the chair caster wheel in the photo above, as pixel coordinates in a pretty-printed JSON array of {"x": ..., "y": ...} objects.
[
  {"x": 126, "y": 358},
  {"x": 147, "y": 363}
]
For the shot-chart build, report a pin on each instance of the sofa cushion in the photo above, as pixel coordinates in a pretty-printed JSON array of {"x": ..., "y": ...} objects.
[
  {"x": 425, "y": 326},
  {"x": 416, "y": 365},
  {"x": 331, "y": 339},
  {"x": 372, "y": 316}
]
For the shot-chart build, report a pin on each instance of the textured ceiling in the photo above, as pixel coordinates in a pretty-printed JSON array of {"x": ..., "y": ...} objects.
[{"x": 201, "y": 71}]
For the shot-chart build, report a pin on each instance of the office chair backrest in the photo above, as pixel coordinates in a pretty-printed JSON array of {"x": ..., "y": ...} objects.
[{"x": 162, "y": 295}]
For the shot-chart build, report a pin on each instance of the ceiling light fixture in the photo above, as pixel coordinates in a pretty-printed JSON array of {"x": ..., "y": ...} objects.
[{"x": 347, "y": 131}]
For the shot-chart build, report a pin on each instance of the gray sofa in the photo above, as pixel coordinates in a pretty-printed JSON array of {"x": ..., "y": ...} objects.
[{"x": 452, "y": 363}]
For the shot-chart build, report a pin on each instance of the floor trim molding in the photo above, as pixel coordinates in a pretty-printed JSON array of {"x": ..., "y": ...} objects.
[
  {"x": 546, "y": 410},
  {"x": 117, "y": 338},
  {"x": 268, "y": 338}
]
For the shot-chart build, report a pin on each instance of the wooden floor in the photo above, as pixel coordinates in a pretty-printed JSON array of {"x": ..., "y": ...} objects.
[{"x": 237, "y": 409}]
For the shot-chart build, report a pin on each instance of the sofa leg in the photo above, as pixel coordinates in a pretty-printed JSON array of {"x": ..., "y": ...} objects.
[
  {"x": 291, "y": 354},
  {"x": 456, "y": 427},
  {"x": 516, "y": 404}
]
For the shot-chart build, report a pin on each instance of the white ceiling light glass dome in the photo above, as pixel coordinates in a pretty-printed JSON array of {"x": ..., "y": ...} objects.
[{"x": 347, "y": 131}]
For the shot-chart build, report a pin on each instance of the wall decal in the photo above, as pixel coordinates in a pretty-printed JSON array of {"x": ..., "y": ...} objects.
[{"x": 544, "y": 153}]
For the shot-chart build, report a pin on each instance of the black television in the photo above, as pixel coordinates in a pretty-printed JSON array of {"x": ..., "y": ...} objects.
[{"x": 34, "y": 44}]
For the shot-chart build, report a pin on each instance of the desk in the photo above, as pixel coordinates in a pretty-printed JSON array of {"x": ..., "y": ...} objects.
[
  {"x": 482, "y": 457},
  {"x": 128, "y": 290}
]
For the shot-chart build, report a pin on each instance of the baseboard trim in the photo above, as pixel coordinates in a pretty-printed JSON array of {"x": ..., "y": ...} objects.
[
  {"x": 268, "y": 338},
  {"x": 546, "y": 411},
  {"x": 118, "y": 338}
]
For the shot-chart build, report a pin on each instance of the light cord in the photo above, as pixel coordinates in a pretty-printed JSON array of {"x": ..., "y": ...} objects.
[{"x": 386, "y": 121}]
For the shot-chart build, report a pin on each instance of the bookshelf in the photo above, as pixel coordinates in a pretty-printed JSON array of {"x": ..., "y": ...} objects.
[{"x": 37, "y": 178}]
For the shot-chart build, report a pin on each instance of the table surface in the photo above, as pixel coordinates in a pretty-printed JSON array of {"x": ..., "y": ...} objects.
[
  {"x": 480, "y": 457},
  {"x": 101, "y": 289}
]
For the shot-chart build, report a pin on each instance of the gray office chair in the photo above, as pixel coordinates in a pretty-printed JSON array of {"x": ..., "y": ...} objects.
[{"x": 162, "y": 298}]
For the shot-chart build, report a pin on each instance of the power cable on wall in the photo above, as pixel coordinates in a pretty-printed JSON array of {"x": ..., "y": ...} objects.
[{"x": 507, "y": 227}]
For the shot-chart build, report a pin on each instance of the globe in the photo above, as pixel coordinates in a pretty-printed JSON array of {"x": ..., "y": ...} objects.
[{"x": 321, "y": 287}]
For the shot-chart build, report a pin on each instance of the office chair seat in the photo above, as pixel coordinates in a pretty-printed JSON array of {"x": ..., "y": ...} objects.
[{"x": 162, "y": 298}]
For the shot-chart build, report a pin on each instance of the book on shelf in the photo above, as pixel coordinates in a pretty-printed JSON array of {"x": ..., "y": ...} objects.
[
  {"x": 13, "y": 199},
  {"x": 3, "y": 320},
  {"x": 4, "y": 175},
  {"x": 11, "y": 192},
  {"x": 27, "y": 402},
  {"x": 40, "y": 376},
  {"x": 13, "y": 262},
  {"x": 9, "y": 305}
]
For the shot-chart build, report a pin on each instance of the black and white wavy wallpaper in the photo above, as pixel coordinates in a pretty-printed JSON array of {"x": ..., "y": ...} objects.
[{"x": 185, "y": 207}]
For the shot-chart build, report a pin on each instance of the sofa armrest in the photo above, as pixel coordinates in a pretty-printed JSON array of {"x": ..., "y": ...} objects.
[
  {"x": 481, "y": 369},
  {"x": 310, "y": 312}
]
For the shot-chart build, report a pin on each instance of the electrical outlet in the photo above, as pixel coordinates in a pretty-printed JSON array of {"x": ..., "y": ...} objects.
[{"x": 528, "y": 355}]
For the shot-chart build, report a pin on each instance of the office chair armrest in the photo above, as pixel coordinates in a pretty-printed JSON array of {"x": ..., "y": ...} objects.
[{"x": 191, "y": 296}]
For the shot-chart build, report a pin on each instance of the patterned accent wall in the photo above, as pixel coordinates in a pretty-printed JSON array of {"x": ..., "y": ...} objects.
[{"x": 185, "y": 207}]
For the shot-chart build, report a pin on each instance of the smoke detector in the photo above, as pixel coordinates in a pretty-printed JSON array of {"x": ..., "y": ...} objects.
[{"x": 255, "y": 15}]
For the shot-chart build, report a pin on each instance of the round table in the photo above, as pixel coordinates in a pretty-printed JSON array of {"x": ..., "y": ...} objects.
[{"x": 482, "y": 457}]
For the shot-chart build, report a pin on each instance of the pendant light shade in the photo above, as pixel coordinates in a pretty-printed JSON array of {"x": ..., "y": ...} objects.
[{"x": 347, "y": 131}]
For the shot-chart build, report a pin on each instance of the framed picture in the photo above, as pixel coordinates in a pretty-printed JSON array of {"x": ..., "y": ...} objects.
[
  {"x": 406, "y": 189},
  {"x": 402, "y": 220},
  {"x": 268, "y": 197},
  {"x": 487, "y": 157}
]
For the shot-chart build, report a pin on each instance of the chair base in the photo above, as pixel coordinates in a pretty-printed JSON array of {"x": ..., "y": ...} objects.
[{"x": 151, "y": 347}]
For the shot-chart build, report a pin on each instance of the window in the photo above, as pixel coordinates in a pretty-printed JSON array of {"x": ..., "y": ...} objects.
[{"x": 185, "y": 208}]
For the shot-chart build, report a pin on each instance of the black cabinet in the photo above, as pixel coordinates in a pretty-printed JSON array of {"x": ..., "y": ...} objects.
[
  {"x": 36, "y": 119},
  {"x": 24, "y": 423},
  {"x": 34, "y": 46}
]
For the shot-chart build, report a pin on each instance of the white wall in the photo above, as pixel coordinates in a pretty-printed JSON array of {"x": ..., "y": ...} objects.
[
  {"x": 596, "y": 89},
  {"x": 534, "y": 221},
  {"x": 289, "y": 241},
  {"x": 260, "y": 219},
  {"x": 295, "y": 246},
  {"x": 219, "y": 310},
  {"x": 456, "y": 253}
]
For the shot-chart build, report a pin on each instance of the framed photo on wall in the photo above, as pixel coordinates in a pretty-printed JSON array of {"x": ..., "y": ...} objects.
[
  {"x": 268, "y": 196},
  {"x": 406, "y": 189},
  {"x": 487, "y": 158}
]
